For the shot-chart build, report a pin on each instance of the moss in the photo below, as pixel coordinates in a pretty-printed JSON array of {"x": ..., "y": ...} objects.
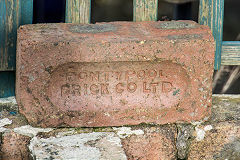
[{"x": 217, "y": 99}]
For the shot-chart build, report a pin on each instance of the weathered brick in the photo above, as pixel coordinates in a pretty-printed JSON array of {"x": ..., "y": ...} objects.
[
  {"x": 157, "y": 143},
  {"x": 113, "y": 74},
  {"x": 15, "y": 146},
  {"x": 219, "y": 141}
]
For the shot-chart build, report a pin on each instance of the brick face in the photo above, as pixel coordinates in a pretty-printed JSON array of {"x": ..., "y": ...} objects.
[
  {"x": 113, "y": 74},
  {"x": 14, "y": 146},
  {"x": 221, "y": 142},
  {"x": 157, "y": 143}
]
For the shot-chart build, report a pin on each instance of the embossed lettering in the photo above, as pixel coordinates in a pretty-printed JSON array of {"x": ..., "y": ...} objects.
[
  {"x": 76, "y": 90},
  {"x": 160, "y": 73},
  {"x": 119, "y": 75},
  {"x": 80, "y": 83},
  {"x": 119, "y": 88},
  {"x": 141, "y": 74},
  {"x": 70, "y": 76},
  {"x": 145, "y": 89},
  {"x": 83, "y": 75},
  {"x": 85, "y": 89},
  {"x": 106, "y": 76},
  {"x": 131, "y": 87},
  {"x": 128, "y": 74},
  {"x": 154, "y": 87},
  {"x": 166, "y": 87},
  {"x": 104, "y": 88},
  {"x": 94, "y": 76},
  {"x": 94, "y": 89},
  {"x": 65, "y": 90},
  {"x": 152, "y": 73}
]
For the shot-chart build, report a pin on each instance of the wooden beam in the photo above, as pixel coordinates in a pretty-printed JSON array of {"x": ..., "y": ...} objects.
[
  {"x": 145, "y": 10},
  {"x": 231, "y": 53},
  {"x": 211, "y": 14},
  {"x": 78, "y": 11}
]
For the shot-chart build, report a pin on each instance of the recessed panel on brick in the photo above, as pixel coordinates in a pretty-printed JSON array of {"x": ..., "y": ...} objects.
[
  {"x": 117, "y": 86},
  {"x": 114, "y": 74}
]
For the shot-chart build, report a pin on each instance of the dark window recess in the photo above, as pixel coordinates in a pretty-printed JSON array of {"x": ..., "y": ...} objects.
[
  {"x": 48, "y": 11},
  {"x": 111, "y": 10},
  {"x": 231, "y": 25}
]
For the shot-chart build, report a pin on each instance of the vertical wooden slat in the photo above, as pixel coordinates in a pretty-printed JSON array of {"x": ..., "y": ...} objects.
[
  {"x": 7, "y": 84},
  {"x": 211, "y": 14},
  {"x": 78, "y": 11},
  {"x": 12, "y": 14},
  {"x": 26, "y": 12},
  {"x": 9, "y": 16},
  {"x": 145, "y": 10}
]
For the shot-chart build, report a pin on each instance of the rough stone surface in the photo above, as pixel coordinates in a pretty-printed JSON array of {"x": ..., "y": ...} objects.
[
  {"x": 114, "y": 74},
  {"x": 14, "y": 146},
  {"x": 88, "y": 146},
  {"x": 219, "y": 141},
  {"x": 4, "y": 122},
  {"x": 225, "y": 108},
  {"x": 8, "y": 105},
  {"x": 183, "y": 139},
  {"x": 157, "y": 143},
  {"x": 30, "y": 131}
]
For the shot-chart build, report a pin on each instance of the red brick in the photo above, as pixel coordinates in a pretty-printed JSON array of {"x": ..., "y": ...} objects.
[
  {"x": 220, "y": 143},
  {"x": 113, "y": 74},
  {"x": 14, "y": 146},
  {"x": 157, "y": 143}
]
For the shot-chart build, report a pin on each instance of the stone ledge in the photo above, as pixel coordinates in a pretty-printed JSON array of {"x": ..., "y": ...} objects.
[{"x": 218, "y": 138}]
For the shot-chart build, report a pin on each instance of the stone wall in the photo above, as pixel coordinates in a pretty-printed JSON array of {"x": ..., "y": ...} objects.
[{"x": 216, "y": 139}]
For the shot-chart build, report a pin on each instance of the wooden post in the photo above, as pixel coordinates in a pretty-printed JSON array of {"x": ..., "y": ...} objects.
[
  {"x": 13, "y": 13},
  {"x": 26, "y": 12},
  {"x": 211, "y": 14},
  {"x": 78, "y": 11},
  {"x": 145, "y": 10}
]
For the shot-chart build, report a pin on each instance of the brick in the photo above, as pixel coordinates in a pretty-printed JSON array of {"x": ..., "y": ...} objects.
[
  {"x": 113, "y": 74},
  {"x": 14, "y": 146},
  {"x": 157, "y": 143},
  {"x": 220, "y": 142}
]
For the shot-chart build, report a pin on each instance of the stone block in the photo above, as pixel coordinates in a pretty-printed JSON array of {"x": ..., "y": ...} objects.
[
  {"x": 120, "y": 143},
  {"x": 114, "y": 74},
  {"x": 96, "y": 145}
]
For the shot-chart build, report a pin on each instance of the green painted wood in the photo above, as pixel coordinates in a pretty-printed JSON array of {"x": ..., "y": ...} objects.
[
  {"x": 211, "y": 14},
  {"x": 9, "y": 17},
  {"x": 78, "y": 11},
  {"x": 7, "y": 84},
  {"x": 230, "y": 53},
  {"x": 26, "y": 12},
  {"x": 145, "y": 10},
  {"x": 12, "y": 14}
]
